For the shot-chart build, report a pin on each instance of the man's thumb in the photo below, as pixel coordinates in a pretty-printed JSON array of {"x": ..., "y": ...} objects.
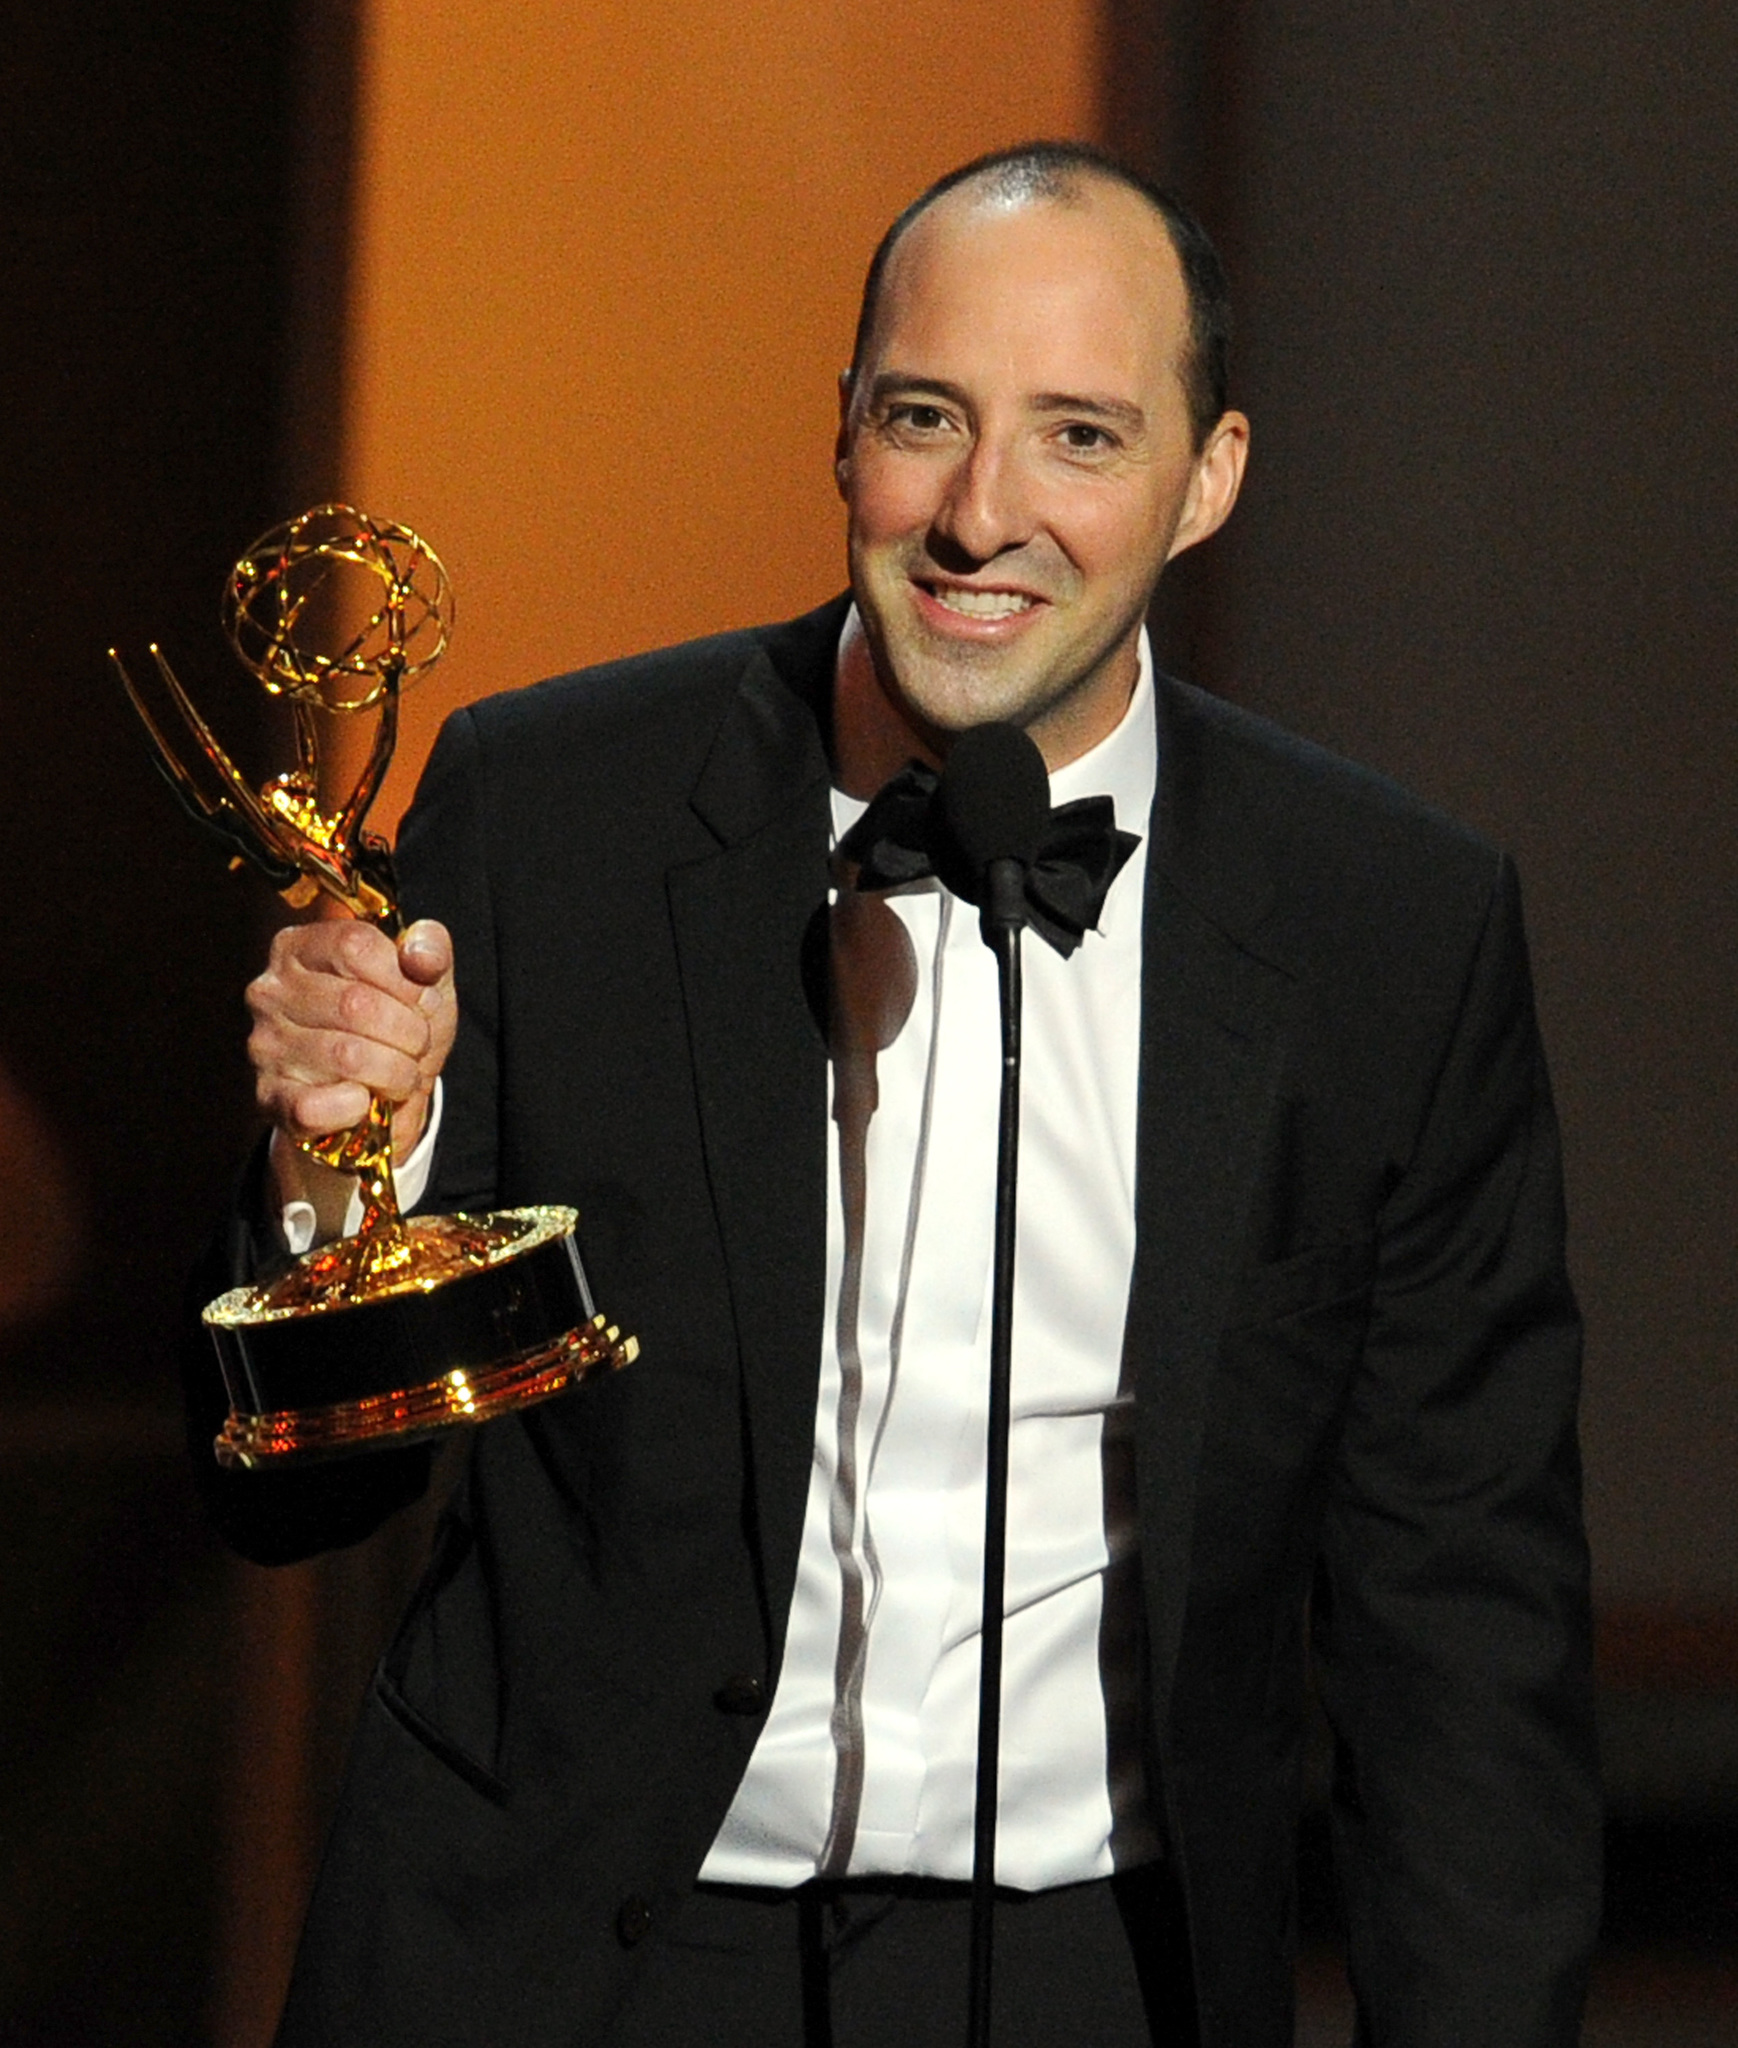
[{"x": 425, "y": 952}]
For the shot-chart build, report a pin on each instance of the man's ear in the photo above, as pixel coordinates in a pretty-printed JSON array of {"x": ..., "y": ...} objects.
[
  {"x": 1214, "y": 483},
  {"x": 842, "y": 445}
]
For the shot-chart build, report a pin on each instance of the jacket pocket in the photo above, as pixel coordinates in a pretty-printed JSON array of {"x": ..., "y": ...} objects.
[
  {"x": 439, "y": 1679},
  {"x": 441, "y": 1747}
]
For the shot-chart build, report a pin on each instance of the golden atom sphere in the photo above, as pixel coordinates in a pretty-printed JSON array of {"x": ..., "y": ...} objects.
[{"x": 330, "y": 607}]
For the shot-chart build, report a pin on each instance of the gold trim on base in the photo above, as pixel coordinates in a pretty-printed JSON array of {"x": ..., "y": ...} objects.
[{"x": 246, "y": 1441}]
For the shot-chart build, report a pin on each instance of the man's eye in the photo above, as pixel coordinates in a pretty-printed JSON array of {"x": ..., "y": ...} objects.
[
  {"x": 921, "y": 419},
  {"x": 1082, "y": 437}
]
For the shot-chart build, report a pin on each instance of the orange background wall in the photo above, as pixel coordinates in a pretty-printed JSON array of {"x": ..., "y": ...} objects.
[{"x": 605, "y": 274}]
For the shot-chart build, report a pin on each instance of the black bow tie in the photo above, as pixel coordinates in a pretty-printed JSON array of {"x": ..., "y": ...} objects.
[{"x": 902, "y": 837}]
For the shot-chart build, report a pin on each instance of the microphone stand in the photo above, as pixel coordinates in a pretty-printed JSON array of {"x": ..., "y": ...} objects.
[{"x": 1004, "y": 915}]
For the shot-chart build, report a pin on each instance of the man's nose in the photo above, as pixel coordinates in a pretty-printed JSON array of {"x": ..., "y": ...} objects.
[{"x": 987, "y": 506}]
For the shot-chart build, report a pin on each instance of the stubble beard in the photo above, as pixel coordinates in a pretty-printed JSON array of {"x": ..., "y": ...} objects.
[{"x": 940, "y": 689}]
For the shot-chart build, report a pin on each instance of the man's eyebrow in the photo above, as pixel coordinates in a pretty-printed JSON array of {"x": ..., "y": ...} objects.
[
  {"x": 908, "y": 383},
  {"x": 1118, "y": 411}
]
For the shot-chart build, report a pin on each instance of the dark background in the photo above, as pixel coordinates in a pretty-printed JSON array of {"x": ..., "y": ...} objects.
[
  {"x": 143, "y": 208},
  {"x": 1484, "y": 261}
]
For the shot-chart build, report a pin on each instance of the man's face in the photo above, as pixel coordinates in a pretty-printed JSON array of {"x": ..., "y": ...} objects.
[{"x": 1017, "y": 461}]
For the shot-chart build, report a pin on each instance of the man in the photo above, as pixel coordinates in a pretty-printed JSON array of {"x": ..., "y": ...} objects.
[{"x": 674, "y": 1744}]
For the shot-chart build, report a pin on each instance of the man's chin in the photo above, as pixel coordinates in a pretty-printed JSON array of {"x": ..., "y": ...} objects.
[
  {"x": 950, "y": 684},
  {"x": 937, "y": 697},
  {"x": 939, "y": 700}
]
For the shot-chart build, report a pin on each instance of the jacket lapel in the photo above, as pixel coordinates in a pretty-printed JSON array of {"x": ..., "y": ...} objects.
[
  {"x": 1210, "y": 1044},
  {"x": 746, "y": 921}
]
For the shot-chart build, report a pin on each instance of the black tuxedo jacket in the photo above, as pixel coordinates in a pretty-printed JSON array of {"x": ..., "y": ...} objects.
[{"x": 1350, "y": 1331}]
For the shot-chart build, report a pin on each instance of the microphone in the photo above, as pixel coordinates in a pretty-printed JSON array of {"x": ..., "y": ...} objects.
[
  {"x": 995, "y": 801},
  {"x": 995, "y": 804}
]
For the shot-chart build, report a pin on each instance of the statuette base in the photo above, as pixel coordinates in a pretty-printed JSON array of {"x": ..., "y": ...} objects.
[{"x": 495, "y": 1316}]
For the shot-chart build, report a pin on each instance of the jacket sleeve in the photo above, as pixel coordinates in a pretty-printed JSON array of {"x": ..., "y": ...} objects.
[{"x": 1452, "y": 1611}]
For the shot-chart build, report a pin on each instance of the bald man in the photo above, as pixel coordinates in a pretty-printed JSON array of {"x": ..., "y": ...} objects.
[{"x": 676, "y": 1742}]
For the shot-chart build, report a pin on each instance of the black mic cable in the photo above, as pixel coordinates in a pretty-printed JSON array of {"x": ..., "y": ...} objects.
[{"x": 995, "y": 797}]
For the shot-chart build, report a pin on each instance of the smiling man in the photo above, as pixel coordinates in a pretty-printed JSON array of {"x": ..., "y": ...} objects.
[
  {"x": 1020, "y": 457},
  {"x": 676, "y": 1742}
]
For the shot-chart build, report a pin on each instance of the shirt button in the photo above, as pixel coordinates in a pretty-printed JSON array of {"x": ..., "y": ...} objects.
[
  {"x": 633, "y": 1921},
  {"x": 740, "y": 1695}
]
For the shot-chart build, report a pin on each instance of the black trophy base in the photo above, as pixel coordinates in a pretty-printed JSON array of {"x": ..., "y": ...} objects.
[{"x": 501, "y": 1319}]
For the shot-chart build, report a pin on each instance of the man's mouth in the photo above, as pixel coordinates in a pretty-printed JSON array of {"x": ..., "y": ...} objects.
[{"x": 981, "y": 604}]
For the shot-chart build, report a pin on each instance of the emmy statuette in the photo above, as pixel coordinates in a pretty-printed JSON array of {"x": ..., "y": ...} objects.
[{"x": 414, "y": 1324}]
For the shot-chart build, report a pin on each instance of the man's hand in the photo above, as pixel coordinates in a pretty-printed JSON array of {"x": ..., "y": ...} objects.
[{"x": 339, "y": 1011}]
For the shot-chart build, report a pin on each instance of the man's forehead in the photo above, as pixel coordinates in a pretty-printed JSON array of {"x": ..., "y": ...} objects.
[
  {"x": 1094, "y": 231},
  {"x": 995, "y": 261}
]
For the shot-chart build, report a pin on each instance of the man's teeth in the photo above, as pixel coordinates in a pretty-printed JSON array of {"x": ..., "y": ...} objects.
[{"x": 985, "y": 604}]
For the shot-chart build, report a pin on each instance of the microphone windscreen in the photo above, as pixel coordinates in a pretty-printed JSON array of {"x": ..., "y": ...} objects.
[{"x": 995, "y": 795}]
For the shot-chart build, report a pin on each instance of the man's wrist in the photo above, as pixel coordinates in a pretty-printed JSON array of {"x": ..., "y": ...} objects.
[
  {"x": 312, "y": 1197},
  {"x": 317, "y": 1203}
]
